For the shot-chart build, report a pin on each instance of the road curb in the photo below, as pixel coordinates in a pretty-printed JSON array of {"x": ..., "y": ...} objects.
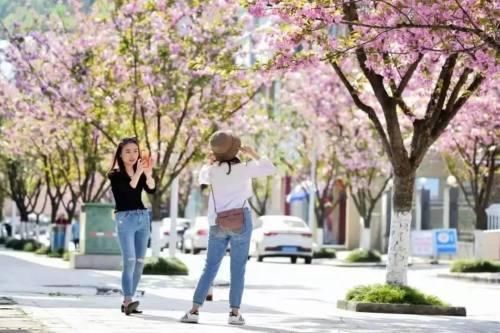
[
  {"x": 473, "y": 277},
  {"x": 402, "y": 308},
  {"x": 358, "y": 264}
]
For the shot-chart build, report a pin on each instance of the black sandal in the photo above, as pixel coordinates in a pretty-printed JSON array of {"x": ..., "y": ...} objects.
[
  {"x": 131, "y": 308},
  {"x": 135, "y": 311}
]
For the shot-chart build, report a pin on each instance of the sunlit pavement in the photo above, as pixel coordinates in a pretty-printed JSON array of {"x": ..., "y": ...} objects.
[{"x": 279, "y": 297}]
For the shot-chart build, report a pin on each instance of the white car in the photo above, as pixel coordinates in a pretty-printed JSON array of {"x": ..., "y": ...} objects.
[
  {"x": 196, "y": 237},
  {"x": 181, "y": 225},
  {"x": 281, "y": 236}
]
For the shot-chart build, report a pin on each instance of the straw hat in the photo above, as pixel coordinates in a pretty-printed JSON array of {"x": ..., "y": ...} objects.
[{"x": 225, "y": 145}]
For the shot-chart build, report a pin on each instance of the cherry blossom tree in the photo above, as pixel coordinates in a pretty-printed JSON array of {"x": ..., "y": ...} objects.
[
  {"x": 401, "y": 66},
  {"x": 346, "y": 143},
  {"x": 22, "y": 171},
  {"x": 66, "y": 151},
  {"x": 164, "y": 72},
  {"x": 471, "y": 148}
]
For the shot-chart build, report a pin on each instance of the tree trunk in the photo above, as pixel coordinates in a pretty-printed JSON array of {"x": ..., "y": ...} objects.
[
  {"x": 23, "y": 220},
  {"x": 54, "y": 207},
  {"x": 481, "y": 218},
  {"x": 365, "y": 235},
  {"x": 23, "y": 213},
  {"x": 399, "y": 238},
  {"x": 156, "y": 205},
  {"x": 2, "y": 200}
]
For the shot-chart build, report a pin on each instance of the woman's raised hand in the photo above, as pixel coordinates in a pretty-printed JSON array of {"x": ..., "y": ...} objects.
[{"x": 147, "y": 165}]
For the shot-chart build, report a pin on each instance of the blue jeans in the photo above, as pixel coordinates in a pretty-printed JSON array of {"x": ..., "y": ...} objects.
[
  {"x": 133, "y": 229},
  {"x": 217, "y": 244}
]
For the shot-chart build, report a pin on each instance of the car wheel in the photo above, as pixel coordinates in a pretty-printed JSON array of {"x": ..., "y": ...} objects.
[
  {"x": 260, "y": 258},
  {"x": 186, "y": 250},
  {"x": 196, "y": 251},
  {"x": 308, "y": 260},
  {"x": 249, "y": 257},
  {"x": 293, "y": 260}
]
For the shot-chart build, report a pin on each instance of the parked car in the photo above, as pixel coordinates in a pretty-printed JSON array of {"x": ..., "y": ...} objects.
[
  {"x": 196, "y": 236},
  {"x": 181, "y": 225},
  {"x": 281, "y": 236}
]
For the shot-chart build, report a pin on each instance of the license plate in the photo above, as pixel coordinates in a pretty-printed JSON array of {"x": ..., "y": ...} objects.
[{"x": 289, "y": 249}]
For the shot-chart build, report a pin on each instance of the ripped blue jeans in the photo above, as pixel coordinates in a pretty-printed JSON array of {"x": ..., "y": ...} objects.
[
  {"x": 133, "y": 229},
  {"x": 218, "y": 241}
]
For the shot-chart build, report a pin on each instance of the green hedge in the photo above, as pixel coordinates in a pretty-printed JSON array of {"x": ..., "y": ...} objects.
[
  {"x": 31, "y": 246},
  {"x": 3, "y": 240},
  {"x": 393, "y": 294},
  {"x": 325, "y": 253},
  {"x": 360, "y": 255},
  {"x": 20, "y": 244},
  {"x": 56, "y": 254},
  {"x": 165, "y": 266},
  {"x": 43, "y": 250},
  {"x": 14, "y": 243},
  {"x": 474, "y": 266}
]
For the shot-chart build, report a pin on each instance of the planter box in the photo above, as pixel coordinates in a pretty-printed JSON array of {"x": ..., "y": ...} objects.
[{"x": 402, "y": 308}]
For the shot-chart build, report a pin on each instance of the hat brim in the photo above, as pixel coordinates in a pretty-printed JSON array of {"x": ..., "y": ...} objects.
[{"x": 232, "y": 152}]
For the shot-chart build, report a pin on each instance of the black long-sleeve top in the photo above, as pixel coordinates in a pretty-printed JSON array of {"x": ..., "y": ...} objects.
[{"x": 126, "y": 197}]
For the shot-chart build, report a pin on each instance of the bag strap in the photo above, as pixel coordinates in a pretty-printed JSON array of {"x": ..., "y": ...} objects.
[{"x": 213, "y": 198}]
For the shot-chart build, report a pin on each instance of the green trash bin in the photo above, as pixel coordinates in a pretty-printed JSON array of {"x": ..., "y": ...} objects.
[{"x": 97, "y": 229}]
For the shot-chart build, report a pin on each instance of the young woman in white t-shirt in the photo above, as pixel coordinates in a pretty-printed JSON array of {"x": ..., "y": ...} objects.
[{"x": 231, "y": 188}]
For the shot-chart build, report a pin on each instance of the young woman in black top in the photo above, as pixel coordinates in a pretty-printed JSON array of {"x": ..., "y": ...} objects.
[{"x": 129, "y": 176}]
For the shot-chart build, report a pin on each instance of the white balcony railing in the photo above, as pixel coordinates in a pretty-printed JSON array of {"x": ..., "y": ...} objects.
[{"x": 493, "y": 217}]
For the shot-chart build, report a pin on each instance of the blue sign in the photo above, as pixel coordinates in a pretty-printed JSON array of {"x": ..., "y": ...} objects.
[{"x": 445, "y": 241}]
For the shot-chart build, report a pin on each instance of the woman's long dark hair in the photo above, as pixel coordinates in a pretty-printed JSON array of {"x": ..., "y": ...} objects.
[
  {"x": 234, "y": 160},
  {"x": 118, "y": 159}
]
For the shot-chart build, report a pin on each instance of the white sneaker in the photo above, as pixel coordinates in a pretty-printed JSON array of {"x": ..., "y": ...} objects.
[
  {"x": 190, "y": 318},
  {"x": 236, "y": 320}
]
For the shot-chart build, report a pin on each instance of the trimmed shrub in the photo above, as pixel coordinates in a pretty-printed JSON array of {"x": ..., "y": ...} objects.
[
  {"x": 325, "y": 253},
  {"x": 43, "y": 250},
  {"x": 165, "y": 266},
  {"x": 474, "y": 266},
  {"x": 31, "y": 246},
  {"x": 19, "y": 244},
  {"x": 361, "y": 255},
  {"x": 13, "y": 243},
  {"x": 2, "y": 240},
  {"x": 392, "y": 294},
  {"x": 56, "y": 254}
]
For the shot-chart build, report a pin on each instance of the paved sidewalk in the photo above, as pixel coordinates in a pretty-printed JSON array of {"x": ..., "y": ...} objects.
[
  {"x": 66, "y": 300},
  {"x": 13, "y": 319}
]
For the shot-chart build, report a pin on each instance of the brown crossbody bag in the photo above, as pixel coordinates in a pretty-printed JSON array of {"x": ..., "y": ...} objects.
[{"x": 229, "y": 220}]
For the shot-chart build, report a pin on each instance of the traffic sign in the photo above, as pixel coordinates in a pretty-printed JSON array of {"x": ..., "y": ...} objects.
[{"x": 445, "y": 241}]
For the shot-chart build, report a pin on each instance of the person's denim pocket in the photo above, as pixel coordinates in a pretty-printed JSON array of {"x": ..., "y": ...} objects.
[
  {"x": 122, "y": 220},
  {"x": 216, "y": 232}
]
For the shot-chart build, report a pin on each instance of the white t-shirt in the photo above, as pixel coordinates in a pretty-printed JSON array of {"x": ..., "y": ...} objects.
[{"x": 232, "y": 190}]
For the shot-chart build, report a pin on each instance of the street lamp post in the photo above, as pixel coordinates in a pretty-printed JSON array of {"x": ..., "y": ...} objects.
[
  {"x": 312, "y": 191},
  {"x": 451, "y": 182},
  {"x": 418, "y": 204}
]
